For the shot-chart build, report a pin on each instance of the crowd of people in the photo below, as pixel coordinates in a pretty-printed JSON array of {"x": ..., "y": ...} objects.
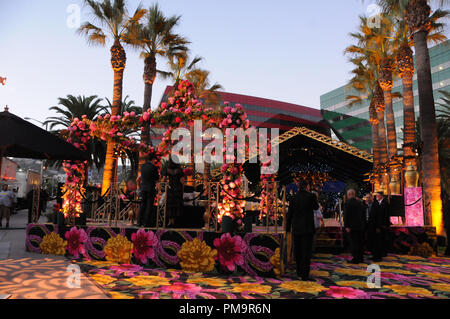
[{"x": 366, "y": 222}]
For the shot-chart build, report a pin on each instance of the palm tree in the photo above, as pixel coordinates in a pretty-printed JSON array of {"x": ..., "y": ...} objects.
[
  {"x": 113, "y": 22},
  {"x": 72, "y": 107},
  {"x": 155, "y": 37},
  {"x": 417, "y": 16},
  {"x": 182, "y": 68},
  {"x": 129, "y": 105}
]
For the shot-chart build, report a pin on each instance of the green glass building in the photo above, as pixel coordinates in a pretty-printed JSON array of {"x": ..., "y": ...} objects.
[{"x": 351, "y": 124}]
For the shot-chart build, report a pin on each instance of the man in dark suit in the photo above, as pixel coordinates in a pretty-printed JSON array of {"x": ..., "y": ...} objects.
[
  {"x": 148, "y": 179},
  {"x": 446, "y": 213},
  {"x": 300, "y": 217},
  {"x": 376, "y": 227},
  {"x": 354, "y": 223},
  {"x": 385, "y": 211}
]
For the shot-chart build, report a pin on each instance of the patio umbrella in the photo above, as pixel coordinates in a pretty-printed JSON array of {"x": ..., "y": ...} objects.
[{"x": 19, "y": 138}]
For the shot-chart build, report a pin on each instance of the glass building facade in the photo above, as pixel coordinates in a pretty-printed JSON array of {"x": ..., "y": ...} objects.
[{"x": 351, "y": 123}]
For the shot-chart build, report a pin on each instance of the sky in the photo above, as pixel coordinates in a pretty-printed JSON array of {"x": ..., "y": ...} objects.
[{"x": 287, "y": 50}]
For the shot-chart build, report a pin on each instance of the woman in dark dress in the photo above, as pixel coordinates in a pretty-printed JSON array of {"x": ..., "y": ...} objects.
[{"x": 174, "y": 200}]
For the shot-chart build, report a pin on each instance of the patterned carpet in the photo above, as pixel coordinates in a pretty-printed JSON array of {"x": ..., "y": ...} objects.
[{"x": 402, "y": 277}]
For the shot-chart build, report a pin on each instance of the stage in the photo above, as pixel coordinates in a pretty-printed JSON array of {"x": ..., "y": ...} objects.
[{"x": 256, "y": 253}]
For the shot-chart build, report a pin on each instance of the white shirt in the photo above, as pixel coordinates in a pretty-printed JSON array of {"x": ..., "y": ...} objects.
[
  {"x": 6, "y": 198},
  {"x": 317, "y": 217}
]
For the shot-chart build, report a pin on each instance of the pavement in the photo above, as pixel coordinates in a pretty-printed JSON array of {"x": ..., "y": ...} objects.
[{"x": 25, "y": 275}]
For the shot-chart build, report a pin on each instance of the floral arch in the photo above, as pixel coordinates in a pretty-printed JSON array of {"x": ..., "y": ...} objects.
[{"x": 181, "y": 110}]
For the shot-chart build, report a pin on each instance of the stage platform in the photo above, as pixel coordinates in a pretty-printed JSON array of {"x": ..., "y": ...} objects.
[{"x": 257, "y": 253}]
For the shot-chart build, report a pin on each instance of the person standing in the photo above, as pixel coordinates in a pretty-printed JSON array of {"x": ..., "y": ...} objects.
[
  {"x": 300, "y": 220},
  {"x": 375, "y": 228},
  {"x": 354, "y": 223},
  {"x": 386, "y": 216},
  {"x": 174, "y": 204},
  {"x": 318, "y": 221},
  {"x": 6, "y": 204},
  {"x": 148, "y": 179}
]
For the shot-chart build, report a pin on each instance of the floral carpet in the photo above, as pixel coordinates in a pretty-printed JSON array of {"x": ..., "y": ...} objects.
[{"x": 402, "y": 277}]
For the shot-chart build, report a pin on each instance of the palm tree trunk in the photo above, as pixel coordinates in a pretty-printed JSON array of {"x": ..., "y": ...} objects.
[
  {"x": 390, "y": 124},
  {"x": 375, "y": 151},
  {"x": 382, "y": 147},
  {"x": 430, "y": 155},
  {"x": 149, "y": 77},
  {"x": 110, "y": 170},
  {"x": 382, "y": 138},
  {"x": 409, "y": 121}
]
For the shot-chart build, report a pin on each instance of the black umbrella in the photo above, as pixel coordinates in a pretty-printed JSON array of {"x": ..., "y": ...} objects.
[{"x": 19, "y": 138}]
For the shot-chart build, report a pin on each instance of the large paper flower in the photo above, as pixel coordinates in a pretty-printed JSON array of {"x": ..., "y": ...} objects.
[
  {"x": 196, "y": 256},
  {"x": 346, "y": 292},
  {"x": 277, "y": 263},
  {"x": 149, "y": 281},
  {"x": 144, "y": 244},
  {"x": 230, "y": 250},
  {"x": 52, "y": 244},
  {"x": 309, "y": 287},
  {"x": 118, "y": 249},
  {"x": 180, "y": 289},
  {"x": 251, "y": 287},
  {"x": 76, "y": 239},
  {"x": 405, "y": 290}
]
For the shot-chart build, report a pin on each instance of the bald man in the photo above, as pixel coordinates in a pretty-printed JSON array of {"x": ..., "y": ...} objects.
[{"x": 354, "y": 223}]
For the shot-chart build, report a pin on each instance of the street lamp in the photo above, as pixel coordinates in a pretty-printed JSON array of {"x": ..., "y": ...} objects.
[{"x": 46, "y": 128}]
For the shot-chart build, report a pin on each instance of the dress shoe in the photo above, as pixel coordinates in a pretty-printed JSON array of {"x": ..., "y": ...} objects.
[{"x": 307, "y": 279}]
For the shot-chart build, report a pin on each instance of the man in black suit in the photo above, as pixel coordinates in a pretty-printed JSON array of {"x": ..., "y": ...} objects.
[
  {"x": 148, "y": 179},
  {"x": 446, "y": 213},
  {"x": 385, "y": 211},
  {"x": 354, "y": 223},
  {"x": 300, "y": 217},
  {"x": 376, "y": 227}
]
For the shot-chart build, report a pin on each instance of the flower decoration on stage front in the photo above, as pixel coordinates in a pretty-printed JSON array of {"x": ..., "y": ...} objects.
[
  {"x": 230, "y": 251},
  {"x": 277, "y": 262},
  {"x": 144, "y": 245},
  {"x": 76, "y": 239},
  {"x": 196, "y": 255},
  {"x": 118, "y": 249},
  {"x": 53, "y": 244}
]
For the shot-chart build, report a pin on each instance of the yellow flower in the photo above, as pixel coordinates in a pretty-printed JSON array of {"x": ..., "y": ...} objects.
[
  {"x": 389, "y": 264},
  {"x": 310, "y": 287},
  {"x": 348, "y": 283},
  {"x": 441, "y": 287},
  {"x": 435, "y": 275},
  {"x": 353, "y": 272},
  {"x": 412, "y": 257},
  {"x": 119, "y": 295},
  {"x": 53, "y": 244},
  {"x": 100, "y": 263},
  {"x": 277, "y": 263},
  {"x": 397, "y": 271},
  {"x": 250, "y": 287},
  {"x": 211, "y": 281},
  {"x": 404, "y": 290},
  {"x": 145, "y": 281},
  {"x": 103, "y": 279},
  {"x": 322, "y": 261},
  {"x": 118, "y": 249},
  {"x": 196, "y": 256},
  {"x": 319, "y": 273}
]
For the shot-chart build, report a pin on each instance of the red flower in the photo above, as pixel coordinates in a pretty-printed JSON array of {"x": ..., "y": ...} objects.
[
  {"x": 230, "y": 250},
  {"x": 178, "y": 120},
  {"x": 144, "y": 244},
  {"x": 75, "y": 242}
]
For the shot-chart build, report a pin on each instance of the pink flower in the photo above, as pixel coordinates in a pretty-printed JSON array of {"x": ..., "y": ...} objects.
[
  {"x": 178, "y": 120},
  {"x": 346, "y": 292},
  {"x": 144, "y": 245},
  {"x": 93, "y": 126},
  {"x": 227, "y": 109},
  {"x": 164, "y": 105},
  {"x": 179, "y": 289},
  {"x": 128, "y": 269},
  {"x": 230, "y": 250},
  {"x": 76, "y": 238}
]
